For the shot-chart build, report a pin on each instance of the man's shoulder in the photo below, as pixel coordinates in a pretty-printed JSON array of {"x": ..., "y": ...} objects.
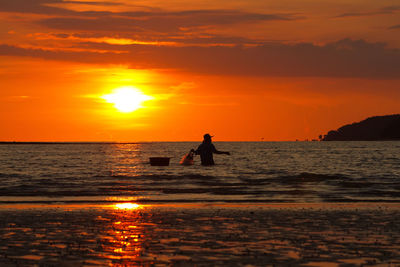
[{"x": 206, "y": 146}]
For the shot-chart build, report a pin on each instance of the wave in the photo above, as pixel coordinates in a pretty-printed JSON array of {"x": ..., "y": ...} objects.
[
  {"x": 280, "y": 187},
  {"x": 14, "y": 175},
  {"x": 303, "y": 177},
  {"x": 162, "y": 177}
]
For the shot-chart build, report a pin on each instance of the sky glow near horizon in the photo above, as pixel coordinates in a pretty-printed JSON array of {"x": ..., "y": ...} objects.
[{"x": 241, "y": 70}]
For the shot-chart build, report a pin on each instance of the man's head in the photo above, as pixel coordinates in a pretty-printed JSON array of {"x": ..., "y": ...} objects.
[{"x": 207, "y": 137}]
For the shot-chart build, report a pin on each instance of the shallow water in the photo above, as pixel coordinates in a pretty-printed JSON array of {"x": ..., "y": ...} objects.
[{"x": 255, "y": 172}]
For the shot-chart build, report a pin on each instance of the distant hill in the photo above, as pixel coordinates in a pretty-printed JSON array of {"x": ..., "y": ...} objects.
[{"x": 371, "y": 129}]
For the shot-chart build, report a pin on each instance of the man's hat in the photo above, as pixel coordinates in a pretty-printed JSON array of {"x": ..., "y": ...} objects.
[{"x": 207, "y": 136}]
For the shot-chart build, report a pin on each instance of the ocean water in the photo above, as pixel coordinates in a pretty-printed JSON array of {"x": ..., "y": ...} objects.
[{"x": 256, "y": 172}]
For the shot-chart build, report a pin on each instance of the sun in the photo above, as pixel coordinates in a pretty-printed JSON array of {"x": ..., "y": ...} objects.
[{"x": 127, "y": 98}]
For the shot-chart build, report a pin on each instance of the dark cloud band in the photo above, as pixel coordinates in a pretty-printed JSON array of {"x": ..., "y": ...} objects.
[{"x": 345, "y": 58}]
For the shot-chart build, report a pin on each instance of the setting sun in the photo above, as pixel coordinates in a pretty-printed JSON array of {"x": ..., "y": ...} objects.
[{"x": 126, "y": 99}]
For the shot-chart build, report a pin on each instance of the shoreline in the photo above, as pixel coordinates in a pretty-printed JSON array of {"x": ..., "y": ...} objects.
[
  {"x": 188, "y": 205},
  {"x": 155, "y": 200}
]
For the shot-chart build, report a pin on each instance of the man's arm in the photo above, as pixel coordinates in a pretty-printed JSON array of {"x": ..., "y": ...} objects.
[
  {"x": 219, "y": 152},
  {"x": 198, "y": 150}
]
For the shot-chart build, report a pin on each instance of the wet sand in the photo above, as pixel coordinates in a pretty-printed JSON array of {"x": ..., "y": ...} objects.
[{"x": 200, "y": 235}]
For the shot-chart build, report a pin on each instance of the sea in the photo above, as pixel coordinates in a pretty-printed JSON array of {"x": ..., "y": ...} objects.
[{"x": 255, "y": 172}]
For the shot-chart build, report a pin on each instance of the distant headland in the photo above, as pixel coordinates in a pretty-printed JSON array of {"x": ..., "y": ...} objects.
[{"x": 372, "y": 129}]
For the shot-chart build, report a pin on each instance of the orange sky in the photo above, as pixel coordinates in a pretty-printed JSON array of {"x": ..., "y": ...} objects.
[{"x": 241, "y": 70}]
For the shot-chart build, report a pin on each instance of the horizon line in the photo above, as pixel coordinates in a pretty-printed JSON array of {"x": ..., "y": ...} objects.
[{"x": 136, "y": 142}]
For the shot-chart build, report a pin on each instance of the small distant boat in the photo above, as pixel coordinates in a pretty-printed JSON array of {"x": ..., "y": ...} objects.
[{"x": 159, "y": 161}]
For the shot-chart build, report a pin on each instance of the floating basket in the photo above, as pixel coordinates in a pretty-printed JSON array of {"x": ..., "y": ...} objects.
[{"x": 159, "y": 161}]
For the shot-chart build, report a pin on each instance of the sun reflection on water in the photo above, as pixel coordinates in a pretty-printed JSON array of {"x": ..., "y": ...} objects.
[
  {"x": 128, "y": 206},
  {"x": 126, "y": 160}
]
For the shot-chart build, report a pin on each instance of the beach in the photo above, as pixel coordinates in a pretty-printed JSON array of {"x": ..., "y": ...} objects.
[
  {"x": 268, "y": 204},
  {"x": 122, "y": 234},
  {"x": 199, "y": 133}
]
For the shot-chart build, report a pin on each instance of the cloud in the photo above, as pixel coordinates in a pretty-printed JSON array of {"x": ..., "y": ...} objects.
[
  {"x": 33, "y": 6},
  {"x": 344, "y": 58},
  {"x": 132, "y": 21},
  {"x": 382, "y": 11},
  {"x": 183, "y": 86},
  {"x": 88, "y": 40},
  {"x": 394, "y": 27},
  {"x": 146, "y": 25},
  {"x": 91, "y": 3},
  {"x": 211, "y": 39},
  {"x": 355, "y": 14},
  {"x": 48, "y": 7},
  {"x": 72, "y": 56},
  {"x": 158, "y": 21},
  {"x": 72, "y": 38},
  {"x": 391, "y": 9}
]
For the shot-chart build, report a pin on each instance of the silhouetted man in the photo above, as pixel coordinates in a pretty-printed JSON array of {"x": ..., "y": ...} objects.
[{"x": 206, "y": 150}]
